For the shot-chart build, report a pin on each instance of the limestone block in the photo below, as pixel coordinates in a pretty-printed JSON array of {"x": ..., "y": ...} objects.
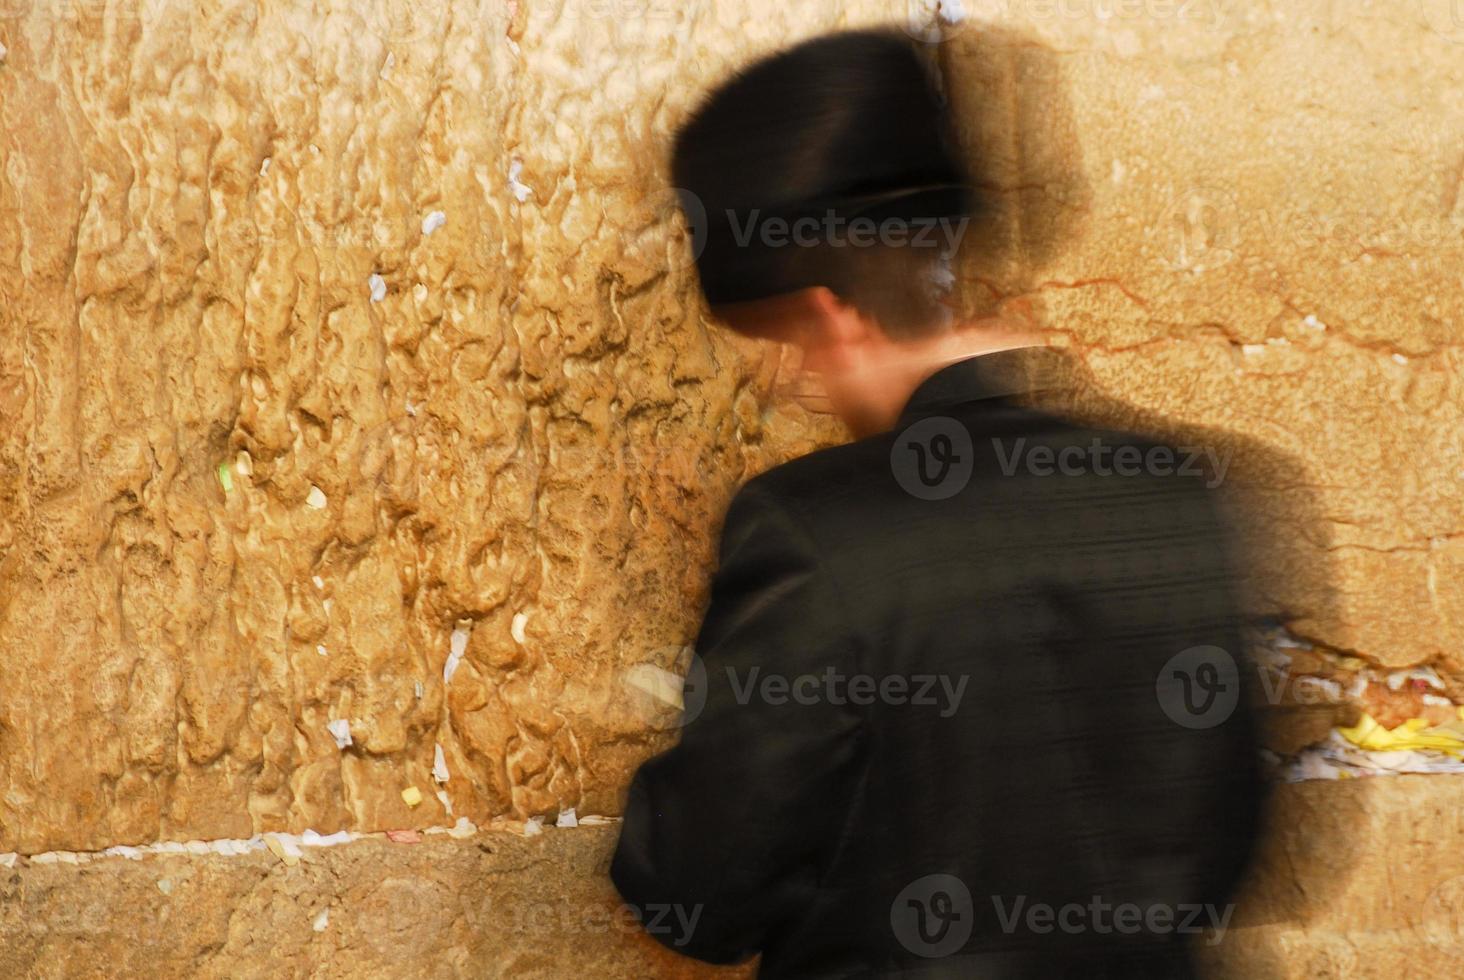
[{"x": 345, "y": 346}]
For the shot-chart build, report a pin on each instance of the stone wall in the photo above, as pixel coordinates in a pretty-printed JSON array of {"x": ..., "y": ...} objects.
[
  {"x": 501, "y": 905},
  {"x": 351, "y": 345}
]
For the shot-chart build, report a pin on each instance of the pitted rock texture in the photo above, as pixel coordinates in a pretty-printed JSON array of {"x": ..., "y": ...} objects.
[
  {"x": 495, "y": 905},
  {"x": 532, "y": 425},
  {"x": 224, "y": 267},
  {"x": 1342, "y": 893}
]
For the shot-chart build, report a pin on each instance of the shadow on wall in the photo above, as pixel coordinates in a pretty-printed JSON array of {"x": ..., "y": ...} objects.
[
  {"x": 1013, "y": 120},
  {"x": 1301, "y": 864},
  {"x": 1014, "y": 123}
]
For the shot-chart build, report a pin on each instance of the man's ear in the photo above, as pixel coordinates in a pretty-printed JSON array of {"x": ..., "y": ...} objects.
[{"x": 838, "y": 323}]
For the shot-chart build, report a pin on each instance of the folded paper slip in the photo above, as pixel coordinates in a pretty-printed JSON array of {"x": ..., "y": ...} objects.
[{"x": 1415, "y": 733}]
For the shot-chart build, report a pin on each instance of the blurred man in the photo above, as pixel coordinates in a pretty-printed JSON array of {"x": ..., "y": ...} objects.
[{"x": 969, "y": 698}]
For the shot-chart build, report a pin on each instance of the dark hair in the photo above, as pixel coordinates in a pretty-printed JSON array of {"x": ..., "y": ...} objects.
[{"x": 844, "y": 127}]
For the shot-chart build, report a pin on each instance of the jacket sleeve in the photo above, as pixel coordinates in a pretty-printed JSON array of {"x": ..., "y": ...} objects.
[{"x": 724, "y": 834}]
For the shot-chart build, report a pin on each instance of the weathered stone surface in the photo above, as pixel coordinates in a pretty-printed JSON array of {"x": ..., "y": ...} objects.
[
  {"x": 1245, "y": 216},
  {"x": 1361, "y": 880},
  {"x": 532, "y": 424},
  {"x": 495, "y": 905}
]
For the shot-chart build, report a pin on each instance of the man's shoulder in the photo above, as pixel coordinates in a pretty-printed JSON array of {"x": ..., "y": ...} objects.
[
  {"x": 1031, "y": 456},
  {"x": 821, "y": 479}
]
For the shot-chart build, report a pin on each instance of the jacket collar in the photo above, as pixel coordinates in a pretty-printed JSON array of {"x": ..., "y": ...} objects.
[{"x": 999, "y": 374}]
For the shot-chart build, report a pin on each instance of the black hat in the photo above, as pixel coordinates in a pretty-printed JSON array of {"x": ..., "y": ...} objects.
[{"x": 848, "y": 125}]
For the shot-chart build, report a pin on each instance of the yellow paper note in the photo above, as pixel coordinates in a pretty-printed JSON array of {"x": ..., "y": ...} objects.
[{"x": 1411, "y": 734}]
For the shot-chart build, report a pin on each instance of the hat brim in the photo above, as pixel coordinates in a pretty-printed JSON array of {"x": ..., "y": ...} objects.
[{"x": 748, "y": 272}]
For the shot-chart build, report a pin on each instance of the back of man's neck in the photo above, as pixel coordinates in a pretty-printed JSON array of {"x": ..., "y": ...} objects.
[{"x": 974, "y": 338}]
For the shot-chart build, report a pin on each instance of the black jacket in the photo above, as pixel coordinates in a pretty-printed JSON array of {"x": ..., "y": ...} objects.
[{"x": 933, "y": 703}]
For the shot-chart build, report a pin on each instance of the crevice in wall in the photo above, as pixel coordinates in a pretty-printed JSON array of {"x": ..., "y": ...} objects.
[
  {"x": 289, "y": 847},
  {"x": 1332, "y": 714}
]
